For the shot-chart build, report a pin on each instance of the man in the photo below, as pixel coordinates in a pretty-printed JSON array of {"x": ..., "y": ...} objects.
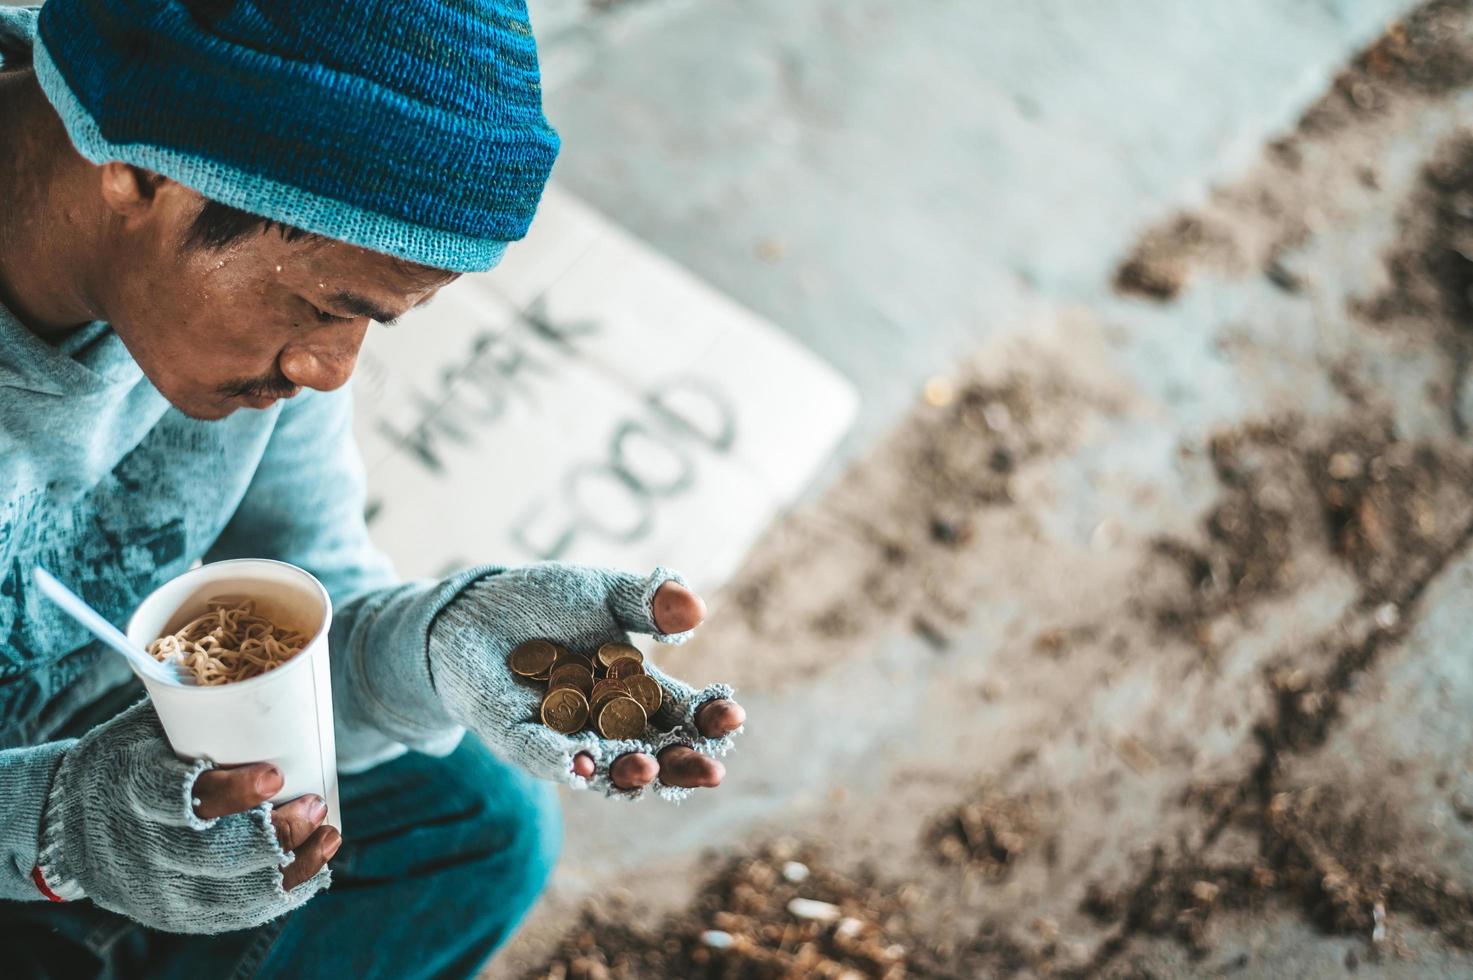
[{"x": 202, "y": 206}]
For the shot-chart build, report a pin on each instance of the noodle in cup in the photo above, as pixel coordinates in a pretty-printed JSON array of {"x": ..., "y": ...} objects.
[
  {"x": 266, "y": 704},
  {"x": 230, "y": 643}
]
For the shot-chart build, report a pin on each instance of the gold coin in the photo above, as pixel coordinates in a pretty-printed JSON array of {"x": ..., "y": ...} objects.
[
  {"x": 603, "y": 696},
  {"x": 574, "y": 674},
  {"x": 622, "y": 717},
  {"x": 625, "y": 667},
  {"x": 645, "y": 690},
  {"x": 565, "y": 657},
  {"x": 631, "y": 654},
  {"x": 610, "y": 652},
  {"x": 532, "y": 658},
  {"x": 596, "y": 706},
  {"x": 606, "y": 686},
  {"x": 565, "y": 710}
]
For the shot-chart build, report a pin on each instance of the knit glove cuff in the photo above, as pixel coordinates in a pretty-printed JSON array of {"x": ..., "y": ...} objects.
[
  {"x": 580, "y": 607},
  {"x": 120, "y": 828}
]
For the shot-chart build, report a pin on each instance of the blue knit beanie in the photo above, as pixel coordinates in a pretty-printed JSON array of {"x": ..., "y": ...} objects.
[{"x": 413, "y": 128}]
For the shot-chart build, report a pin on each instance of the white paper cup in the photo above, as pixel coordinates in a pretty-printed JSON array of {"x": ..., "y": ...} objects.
[{"x": 283, "y": 716}]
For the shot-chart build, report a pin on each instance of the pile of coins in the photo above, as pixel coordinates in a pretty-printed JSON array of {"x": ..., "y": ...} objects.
[{"x": 608, "y": 692}]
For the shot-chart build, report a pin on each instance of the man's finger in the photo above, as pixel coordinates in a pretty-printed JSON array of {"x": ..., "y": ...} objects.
[
  {"x": 720, "y": 717},
  {"x": 677, "y": 608},
  {"x": 295, "y": 821},
  {"x": 225, "y": 791},
  {"x": 311, "y": 856},
  {"x": 583, "y": 765},
  {"x": 634, "y": 770},
  {"x": 682, "y": 766}
]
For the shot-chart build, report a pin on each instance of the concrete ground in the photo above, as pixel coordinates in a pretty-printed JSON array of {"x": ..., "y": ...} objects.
[{"x": 1126, "y": 635}]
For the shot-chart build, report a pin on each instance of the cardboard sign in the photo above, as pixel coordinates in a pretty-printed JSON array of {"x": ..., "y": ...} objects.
[{"x": 589, "y": 401}]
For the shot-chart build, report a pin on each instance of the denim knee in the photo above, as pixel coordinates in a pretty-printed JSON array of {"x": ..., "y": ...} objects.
[
  {"x": 537, "y": 839},
  {"x": 516, "y": 834},
  {"x": 443, "y": 856}
]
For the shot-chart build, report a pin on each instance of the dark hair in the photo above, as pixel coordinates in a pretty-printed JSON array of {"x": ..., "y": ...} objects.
[{"x": 219, "y": 225}]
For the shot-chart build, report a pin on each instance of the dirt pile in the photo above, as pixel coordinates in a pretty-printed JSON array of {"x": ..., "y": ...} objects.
[
  {"x": 1387, "y": 504},
  {"x": 1429, "y": 54},
  {"x": 1250, "y": 535},
  {"x": 987, "y": 836},
  {"x": 987, "y": 430},
  {"x": 1163, "y": 260},
  {"x": 882, "y": 547},
  {"x": 1318, "y": 851},
  {"x": 1395, "y": 512},
  {"x": 780, "y": 915},
  {"x": 1431, "y": 270},
  {"x": 1381, "y": 504},
  {"x": 1248, "y": 228}
]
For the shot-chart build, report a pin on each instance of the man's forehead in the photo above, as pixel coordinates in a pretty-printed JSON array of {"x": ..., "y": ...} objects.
[
  {"x": 370, "y": 283},
  {"x": 394, "y": 272}
]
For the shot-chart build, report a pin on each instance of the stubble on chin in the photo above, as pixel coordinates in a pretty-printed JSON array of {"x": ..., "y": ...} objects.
[{"x": 206, "y": 411}]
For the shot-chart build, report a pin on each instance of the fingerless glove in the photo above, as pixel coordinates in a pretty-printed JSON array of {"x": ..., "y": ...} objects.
[
  {"x": 120, "y": 828},
  {"x": 580, "y": 607}
]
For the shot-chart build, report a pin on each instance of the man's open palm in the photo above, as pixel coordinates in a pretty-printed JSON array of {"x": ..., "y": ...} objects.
[{"x": 580, "y": 607}]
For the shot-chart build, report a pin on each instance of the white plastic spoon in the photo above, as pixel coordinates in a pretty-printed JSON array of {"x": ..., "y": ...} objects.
[{"x": 76, "y": 607}]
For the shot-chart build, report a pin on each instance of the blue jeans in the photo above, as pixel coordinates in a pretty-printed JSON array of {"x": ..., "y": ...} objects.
[{"x": 440, "y": 861}]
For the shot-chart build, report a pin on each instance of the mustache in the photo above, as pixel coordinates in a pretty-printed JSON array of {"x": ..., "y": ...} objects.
[{"x": 272, "y": 386}]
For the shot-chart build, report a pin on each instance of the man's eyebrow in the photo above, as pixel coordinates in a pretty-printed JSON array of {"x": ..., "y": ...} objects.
[{"x": 362, "y": 306}]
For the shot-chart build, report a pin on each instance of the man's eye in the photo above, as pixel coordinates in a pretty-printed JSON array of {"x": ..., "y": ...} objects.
[{"x": 326, "y": 317}]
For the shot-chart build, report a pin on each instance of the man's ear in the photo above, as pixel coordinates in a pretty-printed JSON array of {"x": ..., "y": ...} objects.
[{"x": 131, "y": 192}]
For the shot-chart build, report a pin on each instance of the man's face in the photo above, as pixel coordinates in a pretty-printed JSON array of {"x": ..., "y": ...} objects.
[{"x": 259, "y": 320}]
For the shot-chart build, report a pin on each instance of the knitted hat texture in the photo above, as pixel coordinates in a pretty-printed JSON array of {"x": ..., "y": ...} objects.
[{"x": 410, "y": 128}]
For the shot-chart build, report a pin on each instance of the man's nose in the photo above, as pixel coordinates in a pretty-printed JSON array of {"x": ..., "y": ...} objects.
[{"x": 324, "y": 362}]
